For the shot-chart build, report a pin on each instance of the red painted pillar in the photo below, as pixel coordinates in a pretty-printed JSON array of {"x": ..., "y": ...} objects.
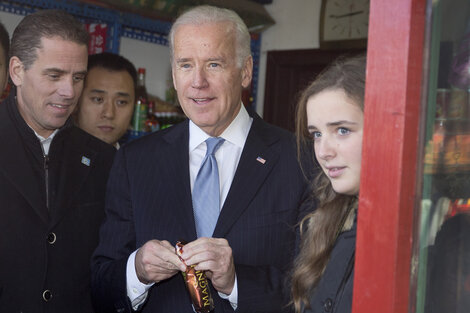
[{"x": 389, "y": 163}]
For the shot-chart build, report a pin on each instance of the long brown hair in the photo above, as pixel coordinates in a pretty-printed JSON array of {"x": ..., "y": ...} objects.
[{"x": 320, "y": 228}]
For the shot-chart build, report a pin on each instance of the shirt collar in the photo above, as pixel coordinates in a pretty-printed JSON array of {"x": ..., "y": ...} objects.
[
  {"x": 236, "y": 133},
  {"x": 42, "y": 139},
  {"x": 46, "y": 142}
]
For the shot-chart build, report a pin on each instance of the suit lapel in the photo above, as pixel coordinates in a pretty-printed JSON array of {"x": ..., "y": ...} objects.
[
  {"x": 258, "y": 158},
  {"x": 17, "y": 167},
  {"x": 75, "y": 167},
  {"x": 178, "y": 166}
]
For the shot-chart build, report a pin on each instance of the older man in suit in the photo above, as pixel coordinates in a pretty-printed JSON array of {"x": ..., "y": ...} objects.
[
  {"x": 241, "y": 228},
  {"x": 52, "y": 174}
]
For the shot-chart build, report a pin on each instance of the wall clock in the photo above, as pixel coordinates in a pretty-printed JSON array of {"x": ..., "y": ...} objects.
[{"x": 344, "y": 24}]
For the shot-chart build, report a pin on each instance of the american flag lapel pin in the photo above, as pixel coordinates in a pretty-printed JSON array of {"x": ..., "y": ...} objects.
[
  {"x": 260, "y": 160},
  {"x": 86, "y": 161}
]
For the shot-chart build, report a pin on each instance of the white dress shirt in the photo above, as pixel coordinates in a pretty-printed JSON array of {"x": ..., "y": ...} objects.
[
  {"x": 228, "y": 155},
  {"x": 45, "y": 142}
]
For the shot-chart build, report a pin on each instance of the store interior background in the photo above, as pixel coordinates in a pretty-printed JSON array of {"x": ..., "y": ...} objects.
[{"x": 297, "y": 27}]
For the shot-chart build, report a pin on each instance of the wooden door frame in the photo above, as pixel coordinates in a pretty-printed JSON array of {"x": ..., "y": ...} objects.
[
  {"x": 389, "y": 163},
  {"x": 286, "y": 69}
]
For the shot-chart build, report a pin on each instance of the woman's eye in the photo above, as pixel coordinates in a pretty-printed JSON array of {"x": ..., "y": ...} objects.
[
  {"x": 343, "y": 131},
  {"x": 315, "y": 135}
]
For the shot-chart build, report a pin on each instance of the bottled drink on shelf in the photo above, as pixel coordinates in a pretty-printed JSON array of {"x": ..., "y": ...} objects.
[
  {"x": 141, "y": 90},
  {"x": 139, "y": 118},
  {"x": 151, "y": 123},
  {"x": 140, "y": 109}
]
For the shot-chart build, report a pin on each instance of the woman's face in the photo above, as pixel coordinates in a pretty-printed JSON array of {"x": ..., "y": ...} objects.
[{"x": 335, "y": 123}]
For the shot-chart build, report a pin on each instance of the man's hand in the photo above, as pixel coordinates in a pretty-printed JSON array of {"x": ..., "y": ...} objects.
[
  {"x": 214, "y": 256},
  {"x": 156, "y": 261}
]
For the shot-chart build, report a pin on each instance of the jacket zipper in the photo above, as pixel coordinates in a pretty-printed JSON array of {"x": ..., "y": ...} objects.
[{"x": 46, "y": 171}]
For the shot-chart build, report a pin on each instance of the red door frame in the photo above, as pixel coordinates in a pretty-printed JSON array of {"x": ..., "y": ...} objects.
[{"x": 389, "y": 162}]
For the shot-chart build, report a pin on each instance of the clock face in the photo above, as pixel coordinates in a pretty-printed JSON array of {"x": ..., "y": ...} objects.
[{"x": 344, "y": 20}]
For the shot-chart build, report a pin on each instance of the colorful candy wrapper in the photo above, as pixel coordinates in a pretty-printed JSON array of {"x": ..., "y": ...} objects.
[{"x": 197, "y": 285}]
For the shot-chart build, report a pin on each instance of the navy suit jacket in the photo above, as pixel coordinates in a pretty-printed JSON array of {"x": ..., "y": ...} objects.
[{"x": 149, "y": 197}]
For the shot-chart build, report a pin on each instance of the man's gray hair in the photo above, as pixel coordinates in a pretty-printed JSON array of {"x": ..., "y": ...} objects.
[{"x": 206, "y": 14}]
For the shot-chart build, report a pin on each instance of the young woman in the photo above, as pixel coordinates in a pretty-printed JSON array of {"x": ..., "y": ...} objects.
[{"x": 330, "y": 114}]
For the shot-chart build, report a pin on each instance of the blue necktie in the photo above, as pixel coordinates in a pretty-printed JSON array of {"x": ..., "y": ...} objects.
[{"x": 206, "y": 191}]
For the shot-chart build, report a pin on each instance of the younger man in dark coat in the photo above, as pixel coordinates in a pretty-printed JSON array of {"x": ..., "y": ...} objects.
[{"x": 52, "y": 174}]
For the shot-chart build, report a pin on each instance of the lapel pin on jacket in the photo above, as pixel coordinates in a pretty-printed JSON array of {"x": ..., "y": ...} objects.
[
  {"x": 86, "y": 161},
  {"x": 260, "y": 160}
]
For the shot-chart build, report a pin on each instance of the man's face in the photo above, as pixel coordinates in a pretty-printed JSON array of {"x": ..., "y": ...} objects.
[
  {"x": 49, "y": 90},
  {"x": 206, "y": 76},
  {"x": 107, "y": 103}
]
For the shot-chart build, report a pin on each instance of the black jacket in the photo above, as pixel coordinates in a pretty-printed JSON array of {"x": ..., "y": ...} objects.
[
  {"x": 46, "y": 244},
  {"x": 334, "y": 291}
]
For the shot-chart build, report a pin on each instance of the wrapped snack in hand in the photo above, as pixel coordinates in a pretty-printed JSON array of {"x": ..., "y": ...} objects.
[{"x": 197, "y": 285}]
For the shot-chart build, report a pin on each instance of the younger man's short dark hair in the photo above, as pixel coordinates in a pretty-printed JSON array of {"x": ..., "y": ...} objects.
[{"x": 112, "y": 62}]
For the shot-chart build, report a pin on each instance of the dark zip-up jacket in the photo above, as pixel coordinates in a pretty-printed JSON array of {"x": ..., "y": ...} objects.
[
  {"x": 334, "y": 291},
  {"x": 50, "y": 212}
]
